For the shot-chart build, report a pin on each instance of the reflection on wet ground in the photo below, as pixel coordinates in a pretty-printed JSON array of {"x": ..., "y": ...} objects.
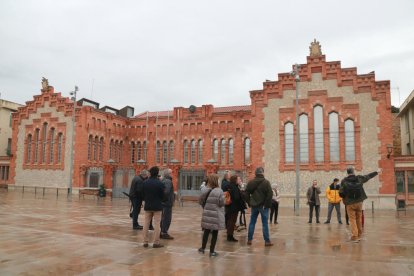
[{"x": 43, "y": 235}]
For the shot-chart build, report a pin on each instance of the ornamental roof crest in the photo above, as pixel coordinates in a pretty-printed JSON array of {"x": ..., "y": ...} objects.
[{"x": 315, "y": 49}]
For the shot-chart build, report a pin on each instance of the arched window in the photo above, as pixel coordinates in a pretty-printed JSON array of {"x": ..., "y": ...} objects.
[
  {"x": 52, "y": 146},
  {"x": 164, "y": 152},
  {"x": 144, "y": 147},
  {"x": 334, "y": 137},
  {"x": 101, "y": 146},
  {"x": 304, "y": 138},
  {"x": 223, "y": 151},
  {"x": 349, "y": 140},
  {"x": 200, "y": 151},
  {"x": 111, "y": 149},
  {"x": 247, "y": 150},
  {"x": 192, "y": 151},
  {"x": 36, "y": 150},
  {"x": 171, "y": 150},
  {"x": 215, "y": 150},
  {"x": 90, "y": 148},
  {"x": 158, "y": 152},
  {"x": 139, "y": 151},
  {"x": 59, "y": 148},
  {"x": 289, "y": 143},
  {"x": 132, "y": 152},
  {"x": 95, "y": 148},
  {"x": 185, "y": 151},
  {"x": 116, "y": 150},
  {"x": 29, "y": 149},
  {"x": 231, "y": 151},
  {"x": 121, "y": 151},
  {"x": 44, "y": 142},
  {"x": 318, "y": 128}
]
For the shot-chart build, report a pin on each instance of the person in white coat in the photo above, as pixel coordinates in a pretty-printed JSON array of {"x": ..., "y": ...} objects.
[{"x": 275, "y": 203}]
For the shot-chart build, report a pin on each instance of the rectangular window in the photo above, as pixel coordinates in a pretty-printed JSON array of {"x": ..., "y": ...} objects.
[{"x": 400, "y": 182}]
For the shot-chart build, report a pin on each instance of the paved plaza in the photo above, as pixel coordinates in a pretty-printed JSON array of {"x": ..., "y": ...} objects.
[{"x": 45, "y": 235}]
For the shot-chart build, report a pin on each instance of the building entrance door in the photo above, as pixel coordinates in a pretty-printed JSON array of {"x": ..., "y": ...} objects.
[{"x": 190, "y": 182}]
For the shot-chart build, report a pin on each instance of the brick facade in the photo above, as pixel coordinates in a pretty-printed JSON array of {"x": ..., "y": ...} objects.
[{"x": 107, "y": 143}]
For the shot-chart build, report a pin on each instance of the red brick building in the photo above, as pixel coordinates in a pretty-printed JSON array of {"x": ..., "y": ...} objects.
[{"x": 345, "y": 120}]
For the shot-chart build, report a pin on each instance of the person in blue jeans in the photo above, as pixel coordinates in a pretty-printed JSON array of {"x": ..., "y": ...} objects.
[{"x": 259, "y": 194}]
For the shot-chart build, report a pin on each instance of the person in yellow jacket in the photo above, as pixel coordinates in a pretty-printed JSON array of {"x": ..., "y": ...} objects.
[{"x": 334, "y": 200}]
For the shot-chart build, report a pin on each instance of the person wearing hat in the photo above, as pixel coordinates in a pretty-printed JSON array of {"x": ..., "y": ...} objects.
[
  {"x": 136, "y": 196},
  {"x": 334, "y": 200},
  {"x": 259, "y": 194}
]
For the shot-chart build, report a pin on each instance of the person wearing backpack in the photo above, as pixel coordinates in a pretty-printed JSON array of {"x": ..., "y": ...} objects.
[
  {"x": 353, "y": 194},
  {"x": 259, "y": 193}
]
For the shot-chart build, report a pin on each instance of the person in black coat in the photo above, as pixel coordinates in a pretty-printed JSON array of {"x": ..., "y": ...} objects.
[
  {"x": 236, "y": 205},
  {"x": 136, "y": 196},
  {"x": 167, "y": 205},
  {"x": 153, "y": 197}
]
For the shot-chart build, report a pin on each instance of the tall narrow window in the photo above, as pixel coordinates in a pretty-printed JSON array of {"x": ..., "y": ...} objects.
[
  {"x": 171, "y": 150},
  {"x": 215, "y": 150},
  {"x": 59, "y": 148},
  {"x": 164, "y": 152},
  {"x": 247, "y": 150},
  {"x": 144, "y": 150},
  {"x": 139, "y": 151},
  {"x": 121, "y": 151},
  {"x": 29, "y": 148},
  {"x": 52, "y": 146},
  {"x": 334, "y": 137},
  {"x": 90, "y": 148},
  {"x": 223, "y": 151},
  {"x": 318, "y": 128},
  {"x": 44, "y": 142},
  {"x": 304, "y": 138},
  {"x": 193, "y": 151},
  {"x": 289, "y": 143},
  {"x": 132, "y": 152},
  {"x": 158, "y": 151},
  {"x": 200, "y": 151},
  {"x": 111, "y": 149},
  {"x": 185, "y": 152},
  {"x": 231, "y": 151},
  {"x": 95, "y": 148},
  {"x": 101, "y": 146},
  {"x": 349, "y": 140},
  {"x": 36, "y": 149}
]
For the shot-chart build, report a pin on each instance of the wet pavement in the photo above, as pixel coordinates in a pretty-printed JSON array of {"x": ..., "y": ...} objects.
[{"x": 45, "y": 235}]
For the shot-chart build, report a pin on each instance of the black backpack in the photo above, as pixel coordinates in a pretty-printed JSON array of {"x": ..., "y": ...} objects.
[{"x": 354, "y": 190}]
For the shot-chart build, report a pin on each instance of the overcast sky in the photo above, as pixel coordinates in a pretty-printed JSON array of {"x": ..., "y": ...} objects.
[{"x": 154, "y": 55}]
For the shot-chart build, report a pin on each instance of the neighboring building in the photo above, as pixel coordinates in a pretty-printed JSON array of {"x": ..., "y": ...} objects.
[
  {"x": 345, "y": 120},
  {"x": 6, "y": 110},
  {"x": 404, "y": 164}
]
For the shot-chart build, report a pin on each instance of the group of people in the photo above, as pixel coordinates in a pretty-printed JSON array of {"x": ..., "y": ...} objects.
[
  {"x": 351, "y": 192},
  {"x": 223, "y": 203},
  {"x": 157, "y": 193}
]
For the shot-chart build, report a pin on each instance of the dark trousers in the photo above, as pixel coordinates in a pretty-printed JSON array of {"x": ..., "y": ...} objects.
[
  {"x": 166, "y": 219},
  {"x": 136, "y": 209},
  {"x": 317, "y": 208},
  {"x": 214, "y": 234},
  {"x": 346, "y": 216},
  {"x": 274, "y": 210},
  {"x": 337, "y": 207},
  {"x": 231, "y": 223},
  {"x": 242, "y": 218}
]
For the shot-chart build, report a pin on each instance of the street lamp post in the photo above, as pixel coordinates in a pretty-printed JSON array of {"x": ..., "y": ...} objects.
[
  {"x": 295, "y": 73},
  {"x": 73, "y": 93}
]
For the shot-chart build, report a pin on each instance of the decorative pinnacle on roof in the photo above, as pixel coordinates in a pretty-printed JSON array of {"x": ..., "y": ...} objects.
[
  {"x": 45, "y": 84},
  {"x": 315, "y": 49}
]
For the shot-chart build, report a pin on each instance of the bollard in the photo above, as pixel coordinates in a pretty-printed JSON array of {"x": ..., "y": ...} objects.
[
  {"x": 57, "y": 192},
  {"x": 372, "y": 205},
  {"x": 43, "y": 191},
  {"x": 23, "y": 189},
  {"x": 294, "y": 205}
]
